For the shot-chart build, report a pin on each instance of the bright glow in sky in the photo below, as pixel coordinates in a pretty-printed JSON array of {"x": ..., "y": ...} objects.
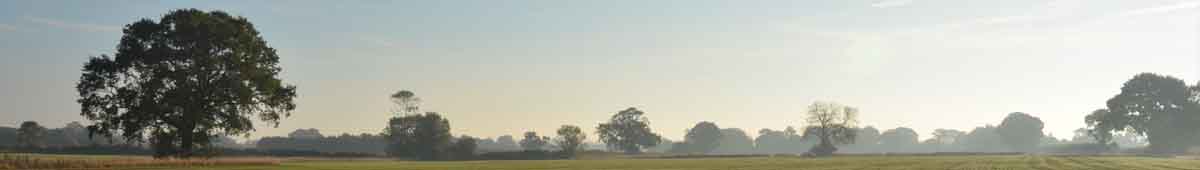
[{"x": 505, "y": 67}]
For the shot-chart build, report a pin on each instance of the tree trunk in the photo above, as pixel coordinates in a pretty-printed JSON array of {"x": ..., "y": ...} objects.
[{"x": 187, "y": 135}]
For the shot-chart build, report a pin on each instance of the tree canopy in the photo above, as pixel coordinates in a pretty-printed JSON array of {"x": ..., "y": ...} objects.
[
  {"x": 570, "y": 139},
  {"x": 832, "y": 124},
  {"x": 31, "y": 135},
  {"x": 1162, "y": 108},
  {"x": 628, "y": 131},
  {"x": 704, "y": 137},
  {"x": 1022, "y": 132},
  {"x": 188, "y": 77}
]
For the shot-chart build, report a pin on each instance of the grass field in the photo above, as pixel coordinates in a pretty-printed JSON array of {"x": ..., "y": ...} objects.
[{"x": 758, "y": 163}]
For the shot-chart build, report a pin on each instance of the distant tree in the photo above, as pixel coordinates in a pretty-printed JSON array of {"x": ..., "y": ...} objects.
[
  {"x": 1082, "y": 135},
  {"x": 533, "y": 142},
  {"x": 188, "y": 77},
  {"x": 464, "y": 148},
  {"x": 664, "y": 146},
  {"x": 947, "y": 136},
  {"x": 984, "y": 139},
  {"x": 570, "y": 139},
  {"x": 799, "y": 143},
  {"x": 419, "y": 136},
  {"x": 833, "y": 124},
  {"x": 704, "y": 137},
  {"x": 77, "y": 134},
  {"x": 310, "y": 133},
  {"x": 406, "y": 103},
  {"x": 900, "y": 139},
  {"x": 865, "y": 140},
  {"x": 507, "y": 143},
  {"x": 628, "y": 131},
  {"x": 1022, "y": 132},
  {"x": 31, "y": 135},
  {"x": 1162, "y": 108},
  {"x": 771, "y": 142},
  {"x": 8, "y": 136},
  {"x": 734, "y": 141},
  {"x": 946, "y": 139}
]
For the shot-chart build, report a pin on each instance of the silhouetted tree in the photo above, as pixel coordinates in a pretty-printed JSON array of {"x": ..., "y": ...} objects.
[
  {"x": 900, "y": 139},
  {"x": 570, "y": 139},
  {"x": 628, "y": 131},
  {"x": 464, "y": 148},
  {"x": 31, "y": 135},
  {"x": 832, "y": 124},
  {"x": 533, "y": 142},
  {"x": 1162, "y": 108},
  {"x": 704, "y": 137},
  {"x": 406, "y": 103},
  {"x": 419, "y": 136},
  {"x": 1022, "y": 132},
  {"x": 188, "y": 77}
]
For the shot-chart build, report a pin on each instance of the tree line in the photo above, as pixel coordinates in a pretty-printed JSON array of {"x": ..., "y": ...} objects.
[{"x": 187, "y": 80}]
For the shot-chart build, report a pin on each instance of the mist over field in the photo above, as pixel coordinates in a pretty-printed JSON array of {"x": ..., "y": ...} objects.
[{"x": 176, "y": 83}]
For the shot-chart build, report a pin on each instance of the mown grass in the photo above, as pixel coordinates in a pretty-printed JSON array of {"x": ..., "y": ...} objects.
[
  {"x": 46, "y": 161},
  {"x": 1010, "y": 162}
]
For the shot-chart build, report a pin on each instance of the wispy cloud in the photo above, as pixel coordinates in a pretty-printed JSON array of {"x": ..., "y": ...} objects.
[
  {"x": 891, "y": 3},
  {"x": 1161, "y": 9},
  {"x": 72, "y": 25}
]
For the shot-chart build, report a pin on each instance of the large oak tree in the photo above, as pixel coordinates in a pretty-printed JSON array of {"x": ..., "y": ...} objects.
[{"x": 188, "y": 77}]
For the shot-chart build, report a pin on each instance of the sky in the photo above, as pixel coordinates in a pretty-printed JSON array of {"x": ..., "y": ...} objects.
[{"x": 505, "y": 67}]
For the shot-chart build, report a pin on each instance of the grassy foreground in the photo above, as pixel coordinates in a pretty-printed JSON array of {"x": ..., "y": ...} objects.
[{"x": 758, "y": 163}]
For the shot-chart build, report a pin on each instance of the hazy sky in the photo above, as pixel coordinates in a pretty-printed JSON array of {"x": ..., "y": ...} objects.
[{"x": 504, "y": 67}]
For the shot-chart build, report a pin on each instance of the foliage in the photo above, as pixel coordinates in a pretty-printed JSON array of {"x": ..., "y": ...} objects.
[
  {"x": 734, "y": 141},
  {"x": 419, "y": 136},
  {"x": 1162, "y": 108},
  {"x": 891, "y": 162},
  {"x": 570, "y": 139},
  {"x": 900, "y": 139},
  {"x": 310, "y": 133},
  {"x": 984, "y": 139},
  {"x": 464, "y": 148},
  {"x": 831, "y": 124},
  {"x": 31, "y": 135},
  {"x": 407, "y": 103},
  {"x": 533, "y": 142},
  {"x": 628, "y": 131},
  {"x": 1022, "y": 132},
  {"x": 370, "y": 144},
  {"x": 704, "y": 137},
  {"x": 188, "y": 77}
]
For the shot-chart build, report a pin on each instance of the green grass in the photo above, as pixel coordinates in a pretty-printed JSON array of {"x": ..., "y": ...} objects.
[{"x": 759, "y": 163}]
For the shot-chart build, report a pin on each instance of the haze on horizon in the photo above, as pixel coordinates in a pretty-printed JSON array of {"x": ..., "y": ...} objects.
[{"x": 501, "y": 68}]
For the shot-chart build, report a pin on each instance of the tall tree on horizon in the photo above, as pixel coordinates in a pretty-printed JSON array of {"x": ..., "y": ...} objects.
[
  {"x": 628, "y": 131},
  {"x": 184, "y": 79},
  {"x": 1164, "y": 109},
  {"x": 570, "y": 139},
  {"x": 832, "y": 124}
]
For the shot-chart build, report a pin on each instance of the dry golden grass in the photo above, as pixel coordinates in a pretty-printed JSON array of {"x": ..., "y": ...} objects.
[{"x": 39, "y": 161}]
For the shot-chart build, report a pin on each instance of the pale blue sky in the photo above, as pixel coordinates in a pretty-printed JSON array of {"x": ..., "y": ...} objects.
[{"x": 504, "y": 67}]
